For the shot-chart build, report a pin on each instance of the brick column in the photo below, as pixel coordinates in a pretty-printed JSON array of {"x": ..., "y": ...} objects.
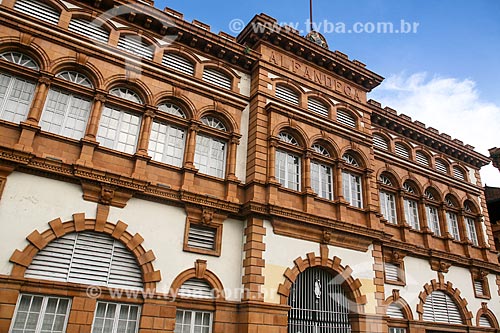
[
  {"x": 271, "y": 161},
  {"x": 95, "y": 116},
  {"x": 233, "y": 145},
  {"x": 145, "y": 132},
  {"x": 9, "y": 294},
  {"x": 253, "y": 278},
  {"x": 81, "y": 314},
  {"x": 39, "y": 99},
  {"x": 191, "y": 146}
]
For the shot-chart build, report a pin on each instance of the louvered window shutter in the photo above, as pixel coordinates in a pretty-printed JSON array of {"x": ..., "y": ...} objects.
[
  {"x": 37, "y": 9},
  {"x": 88, "y": 258},
  {"x": 394, "y": 311},
  {"x": 196, "y": 288},
  {"x": 421, "y": 158},
  {"x": 345, "y": 118},
  {"x": 201, "y": 237},
  {"x": 380, "y": 142},
  {"x": 217, "y": 78},
  {"x": 401, "y": 150},
  {"x": 317, "y": 106},
  {"x": 135, "y": 45},
  {"x": 478, "y": 287},
  {"x": 178, "y": 63},
  {"x": 391, "y": 272},
  {"x": 440, "y": 308},
  {"x": 441, "y": 166},
  {"x": 89, "y": 29},
  {"x": 485, "y": 321},
  {"x": 287, "y": 94},
  {"x": 457, "y": 173}
]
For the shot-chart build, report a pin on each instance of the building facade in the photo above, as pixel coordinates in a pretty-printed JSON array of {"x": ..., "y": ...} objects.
[{"x": 158, "y": 177}]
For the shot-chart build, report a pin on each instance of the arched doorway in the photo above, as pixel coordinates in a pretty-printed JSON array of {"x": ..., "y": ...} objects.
[{"x": 319, "y": 303}]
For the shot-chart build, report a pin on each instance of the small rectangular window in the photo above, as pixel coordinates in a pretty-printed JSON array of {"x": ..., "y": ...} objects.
[
  {"x": 433, "y": 220},
  {"x": 202, "y": 238},
  {"x": 394, "y": 273},
  {"x": 411, "y": 213},
  {"x": 388, "y": 206},
  {"x": 40, "y": 314},
  {"x": 191, "y": 321},
  {"x": 397, "y": 330},
  {"x": 471, "y": 231},
  {"x": 116, "y": 318}
]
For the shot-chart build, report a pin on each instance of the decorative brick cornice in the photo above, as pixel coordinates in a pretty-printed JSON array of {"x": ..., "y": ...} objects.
[
  {"x": 38, "y": 241},
  {"x": 352, "y": 285}
]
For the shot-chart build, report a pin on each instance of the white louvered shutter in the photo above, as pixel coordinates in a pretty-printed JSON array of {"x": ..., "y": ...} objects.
[
  {"x": 89, "y": 29},
  {"x": 196, "y": 288},
  {"x": 287, "y": 94},
  {"x": 346, "y": 118},
  {"x": 181, "y": 64},
  {"x": 201, "y": 237},
  {"x": 135, "y": 45},
  {"x": 317, "y": 106},
  {"x": 478, "y": 287},
  {"x": 89, "y": 258},
  {"x": 397, "y": 330},
  {"x": 394, "y": 311},
  {"x": 391, "y": 272},
  {"x": 441, "y": 166},
  {"x": 401, "y": 150},
  {"x": 380, "y": 142},
  {"x": 440, "y": 308},
  {"x": 485, "y": 321},
  {"x": 216, "y": 77},
  {"x": 457, "y": 173},
  {"x": 421, "y": 158},
  {"x": 37, "y": 9}
]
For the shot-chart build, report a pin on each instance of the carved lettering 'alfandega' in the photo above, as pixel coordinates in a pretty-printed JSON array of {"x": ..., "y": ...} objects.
[{"x": 316, "y": 76}]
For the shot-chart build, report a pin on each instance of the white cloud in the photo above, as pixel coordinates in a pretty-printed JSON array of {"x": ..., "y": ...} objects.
[{"x": 451, "y": 106}]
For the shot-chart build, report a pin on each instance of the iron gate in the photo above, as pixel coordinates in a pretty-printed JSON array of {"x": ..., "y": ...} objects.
[{"x": 318, "y": 304}]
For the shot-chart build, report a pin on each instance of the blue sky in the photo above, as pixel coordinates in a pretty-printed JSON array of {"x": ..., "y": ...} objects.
[{"x": 445, "y": 74}]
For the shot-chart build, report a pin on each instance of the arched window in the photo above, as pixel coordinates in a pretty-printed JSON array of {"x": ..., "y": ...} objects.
[
  {"x": 190, "y": 320},
  {"x": 321, "y": 173},
  {"x": 411, "y": 205},
  {"x": 38, "y": 9},
  {"x": 288, "y": 164},
  {"x": 210, "y": 155},
  {"x": 452, "y": 217},
  {"x": 89, "y": 258},
  {"x": 422, "y": 158},
  {"x": 485, "y": 321},
  {"x": 167, "y": 139},
  {"x": 136, "y": 45},
  {"x": 317, "y": 106},
  {"x": 402, "y": 150},
  {"x": 16, "y": 94},
  {"x": 217, "y": 78},
  {"x": 441, "y": 166},
  {"x": 346, "y": 118},
  {"x": 351, "y": 181},
  {"x": 380, "y": 142},
  {"x": 178, "y": 63},
  {"x": 388, "y": 199},
  {"x": 118, "y": 129},
  {"x": 440, "y": 308},
  {"x": 287, "y": 94},
  {"x": 66, "y": 112},
  {"x": 318, "y": 303},
  {"x": 89, "y": 29},
  {"x": 471, "y": 222},
  {"x": 458, "y": 173},
  {"x": 432, "y": 212}
]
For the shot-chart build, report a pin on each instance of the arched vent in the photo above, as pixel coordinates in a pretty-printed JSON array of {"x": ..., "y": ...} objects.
[
  {"x": 181, "y": 64},
  {"x": 485, "y": 321},
  {"x": 135, "y": 45},
  {"x": 346, "y": 118},
  {"x": 216, "y": 77},
  {"x": 401, "y": 150},
  {"x": 380, "y": 142},
  {"x": 394, "y": 311},
  {"x": 88, "y": 29},
  {"x": 422, "y": 158},
  {"x": 317, "y": 106},
  {"x": 440, "y": 308},
  {"x": 287, "y": 94},
  {"x": 88, "y": 258},
  {"x": 38, "y": 9},
  {"x": 441, "y": 166},
  {"x": 196, "y": 288},
  {"x": 458, "y": 173}
]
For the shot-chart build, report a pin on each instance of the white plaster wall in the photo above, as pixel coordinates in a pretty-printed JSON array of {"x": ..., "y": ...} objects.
[
  {"x": 281, "y": 251},
  {"x": 30, "y": 202},
  {"x": 241, "y": 153},
  {"x": 418, "y": 272},
  {"x": 162, "y": 228}
]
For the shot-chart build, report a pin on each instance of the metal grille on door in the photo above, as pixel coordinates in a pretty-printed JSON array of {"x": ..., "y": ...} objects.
[{"x": 318, "y": 303}]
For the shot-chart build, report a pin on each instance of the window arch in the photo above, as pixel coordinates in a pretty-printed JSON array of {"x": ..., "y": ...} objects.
[
  {"x": 119, "y": 129},
  {"x": 458, "y": 173},
  {"x": 380, "y": 142},
  {"x": 317, "y": 106},
  {"x": 287, "y": 94},
  {"x": 16, "y": 93},
  {"x": 422, "y": 158},
  {"x": 65, "y": 111},
  {"x": 402, "y": 150},
  {"x": 439, "y": 307},
  {"x": 217, "y": 77},
  {"x": 432, "y": 210},
  {"x": 89, "y": 29},
  {"x": 178, "y": 63},
  {"x": 387, "y": 196},
  {"x": 352, "y": 181},
  {"x": 211, "y": 150},
  {"x": 318, "y": 300},
  {"x": 346, "y": 118},
  {"x": 321, "y": 172},
  {"x": 38, "y": 9},
  {"x": 288, "y": 162},
  {"x": 168, "y": 135},
  {"x": 452, "y": 207},
  {"x": 411, "y": 204},
  {"x": 88, "y": 258},
  {"x": 441, "y": 166},
  {"x": 136, "y": 45}
]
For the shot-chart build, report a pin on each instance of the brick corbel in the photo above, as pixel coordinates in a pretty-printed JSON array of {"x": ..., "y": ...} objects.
[
  {"x": 439, "y": 265},
  {"x": 105, "y": 194},
  {"x": 5, "y": 170}
]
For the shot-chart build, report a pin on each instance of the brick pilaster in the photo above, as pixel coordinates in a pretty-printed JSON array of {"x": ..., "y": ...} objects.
[{"x": 253, "y": 278}]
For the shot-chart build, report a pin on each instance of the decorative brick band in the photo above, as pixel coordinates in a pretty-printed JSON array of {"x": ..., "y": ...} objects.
[
  {"x": 199, "y": 272},
  {"x": 351, "y": 285},
  {"x": 38, "y": 241},
  {"x": 446, "y": 287}
]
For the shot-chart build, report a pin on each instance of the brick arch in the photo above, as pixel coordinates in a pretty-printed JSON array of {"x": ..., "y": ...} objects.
[
  {"x": 294, "y": 129},
  {"x": 405, "y": 307},
  {"x": 38, "y": 241},
  {"x": 484, "y": 311},
  {"x": 446, "y": 287},
  {"x": 392, "y": 175},
  {"x": 199, "y": 272},
  {"x": 352, "y": 286},
  {"x": 71, "y": 63},
  {"x": 327, "y": 142},
  {"x": 361, "y": 157},
  {"x": 221, "y": 113},
  {"x": 27, "y": 47},
  {"x": 136, "y": 85}
]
